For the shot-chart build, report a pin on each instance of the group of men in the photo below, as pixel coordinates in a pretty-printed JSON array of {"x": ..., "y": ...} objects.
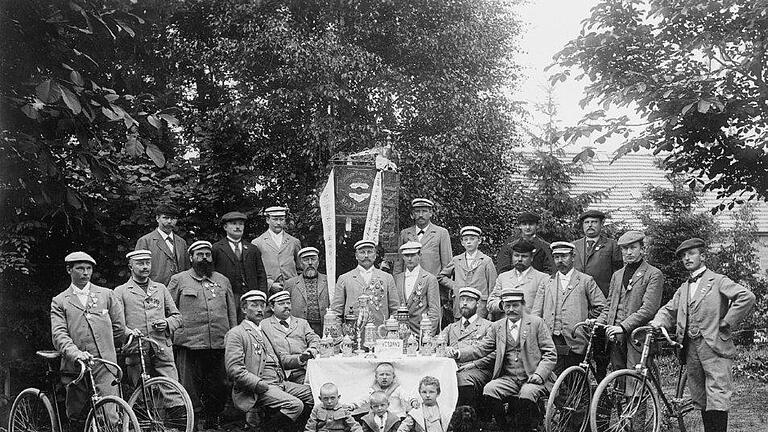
[{"x": 253, "y": 313}]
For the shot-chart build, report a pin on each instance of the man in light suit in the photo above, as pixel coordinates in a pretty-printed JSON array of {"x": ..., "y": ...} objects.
[
  {"x": 522, "y": 276},
  {"x": 169, "y": 251},
  {"x": 470, "y": 269},
  {"x": 705, "y": 311},
  {"x": 524, "y": 358},
  {"x": 256, "y": 371},
  {"x": 365, "y": 279},
  {"x": 417, "y": 289},
  {"x": 528, "y": 224},
  {"x": 239, "y": 261},
  {"x": 279, "y": 250},
  {"x": 309, "y": 290},
  {"x": 568, "y": 298},
  {"x": 464, "y": 334},
  {"x": 289, "y": 335},
  {"x": 85, "y": 323}
]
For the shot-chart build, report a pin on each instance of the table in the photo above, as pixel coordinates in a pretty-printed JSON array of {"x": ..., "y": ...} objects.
[{"x": 355, "y": 375}]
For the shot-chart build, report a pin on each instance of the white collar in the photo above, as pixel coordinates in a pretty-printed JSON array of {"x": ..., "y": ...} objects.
[
  {"x": 276, "y": 236},
  {"x": 425, "y": 229},
  {"x": 164, "y": 235},
  {"x": 471, "y": 319},
  {"x": 363, "y": 270},
  {"x": 413, "y": 272},
  {"x": 231, "y": 240},
  {"x": 251, "y": 324},
  {"x": 86, "y": 289},
  {"x": 524, "y": 273},
  {"x": 699, "y": 271},
  {"x": 567, "y": 276},
  {"x": 287, "y": 320},
  {"x": 471, "y": 256}
]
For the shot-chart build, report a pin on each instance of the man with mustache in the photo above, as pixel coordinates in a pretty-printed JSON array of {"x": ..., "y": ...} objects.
[
  {"x": 169, "y": 250},
  {"x": 522, "y": 276},
  {"x": 204, "y": 298},
  {"x": 528, "y": 224},
  {"x": 255, "y": 368},
  {"x": 239, "y": 261},
  {"x": 417, "y": 289},
  {"x": 309, "y": 290},
  {"x": 279, "y": 250}
]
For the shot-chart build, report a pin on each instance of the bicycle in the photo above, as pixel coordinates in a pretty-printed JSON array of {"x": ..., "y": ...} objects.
[
  {"x": 628, "y": 399},
  {"x": 33, "y": 411},
  {"x": 160, "y": 404},
  {"x": 568, "y": 403}
]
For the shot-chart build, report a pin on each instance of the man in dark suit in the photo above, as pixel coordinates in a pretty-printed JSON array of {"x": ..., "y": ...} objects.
[
  {"x": 528, "y": 223},
  {"x": 239, "y": 261},
  {"x": 309, "y": 290},
  {"x": 169, "y": 251}
]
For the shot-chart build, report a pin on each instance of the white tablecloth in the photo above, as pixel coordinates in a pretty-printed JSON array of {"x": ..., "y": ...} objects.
[{"x": 355, "y": 375}]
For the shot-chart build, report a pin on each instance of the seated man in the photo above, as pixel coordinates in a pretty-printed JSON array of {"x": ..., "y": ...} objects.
[
  {"x": 288, "y": 334},
  {"x": 257, "y": 374},
  {"x": 525, "y": 357}
]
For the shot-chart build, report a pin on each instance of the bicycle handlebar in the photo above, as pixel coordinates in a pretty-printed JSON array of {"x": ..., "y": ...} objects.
[
  {"x": 654, "y": 331},
  {"x": 84, "y": 366},
  {"x": 592, "y": 325},
  {"x": 131, "y": 337}
]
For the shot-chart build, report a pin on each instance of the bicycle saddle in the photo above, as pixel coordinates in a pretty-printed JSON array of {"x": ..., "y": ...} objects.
[{"x": 50, "y": 355}]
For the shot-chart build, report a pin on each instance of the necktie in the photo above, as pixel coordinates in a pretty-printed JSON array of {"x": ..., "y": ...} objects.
[
  {"x": 169, "y": 243},
  {"x": 238, "y": 251},
  {"x": 421, "y": 234},
  {"x": 590, "y": 246},
  {"x": 466, "y": 323},
  {"x": 284, "y": 323},
  {"x": 694, "y": 279},
  {"x": 513, "y": 332}
]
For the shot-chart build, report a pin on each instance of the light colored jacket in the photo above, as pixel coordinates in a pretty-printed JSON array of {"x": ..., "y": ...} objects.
[
  {"x": 298, "y": 289},
  {"x": 529, "y": 284},
  {"x": 139, "y": 309},
  {"x": 436, "y": 251},
  {"x": 164, "y": 265},
  {"x": 470, "y": 338},
  {"x": 292, "y": 340},
  {"x": 425, "y": 297},
  {"x": 458, "y": 274},
  {"x": 280, "y": 261},
  {"x": 643, "y": 297},
  {"x": 351, "y": 285}
]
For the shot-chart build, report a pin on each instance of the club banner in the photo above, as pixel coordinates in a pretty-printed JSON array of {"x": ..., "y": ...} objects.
[
  {"x": 328, "y": 216},
  {"x": 373, "y": 220}
]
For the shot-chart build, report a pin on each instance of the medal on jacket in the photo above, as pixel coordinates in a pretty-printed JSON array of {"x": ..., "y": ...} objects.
[{"x": 210, "y": 286}]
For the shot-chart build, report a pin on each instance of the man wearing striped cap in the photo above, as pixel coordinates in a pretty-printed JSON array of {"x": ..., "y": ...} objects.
[
  {"x": 207, "y": 305},
  {"x": 417, "y": 289},
  {"x": 279, "y": 250},
  {"x": 309, "y": 290},
  {"x": 470, "y": 269}
]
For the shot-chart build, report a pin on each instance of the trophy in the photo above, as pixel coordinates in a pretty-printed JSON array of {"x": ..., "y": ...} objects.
[
  {"x": 440, "y": 345},
  {"x": 425, "y": 328},
  {"x": 370, "y": 338},
  {"x": 363, "y": 315},
  {"x": 326, "y": 346},
  {"x": 331, "y": 325},
  {"x": 347, "y": 345},
  {"x": 404, "y": 327},
  {"x": 412, "y": 346}
]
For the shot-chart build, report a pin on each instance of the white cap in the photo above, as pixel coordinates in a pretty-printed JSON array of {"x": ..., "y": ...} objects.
[
  {"x": 200, "y": 244},
  {"x": 309, "y": 251},
  {"x": 411, "y": 247},
  {"x": 254, "y": 295},
  {"x": 78, "y": 257},
  {"x": 470, "y": 230},
  {"x": 276, "y": 211},
  {"x": 365, "y": 243},
  {"x": 139, "y": 254}
]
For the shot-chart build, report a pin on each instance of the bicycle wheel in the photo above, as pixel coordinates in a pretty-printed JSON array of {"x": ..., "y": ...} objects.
[
  {"x": 32, "y": 411},
  {"x": 625, "y": 402},
  {"x": 111, "y": 414},
  {"x": 568, "y": 404},
  {"x": 162, "y": 405}
]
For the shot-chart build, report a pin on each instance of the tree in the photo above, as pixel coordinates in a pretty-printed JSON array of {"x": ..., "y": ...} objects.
[{"x": 695, "y": 72}]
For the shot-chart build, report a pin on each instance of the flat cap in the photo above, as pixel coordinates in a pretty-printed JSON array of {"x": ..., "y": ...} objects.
[
  {"x": 276, "y": 211},
  {"x": 562, "y": 247},
  {"x": 309, "y": 251},
  {"x": 254, "y": 295},
  {"x": 690, "y": 244},
  {"x": 512, "y": 294},
  {"x": 279, "y": 296},
  {"x": 200, "y": 244},
  {"x": 167, "y": 210},
  {"x": 528, "y": 217},
  {"x": 470, "y": 230},
  {"x": 233, "y": 216},
  {"x": 470, "y": 292},
  {"x": 597, "y": 214},
  {"x": 79, "y": 257},
  {"x": 139, "y": 254},
  {"x": 411, "y": 247},
  {"x": 421, "y": 202},
  {"x": 524, "y": 246},
  {"x": 630, "y": 237},
  {"x": 364, "y": 243}
]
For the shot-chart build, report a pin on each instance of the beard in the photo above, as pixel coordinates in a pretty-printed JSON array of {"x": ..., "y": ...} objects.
[
  {"x": 467, "y": 312},
  {"x": 203, "y": 267},
  {"x": 520, "y": 267},
  {"x": 310, "y": 272}
]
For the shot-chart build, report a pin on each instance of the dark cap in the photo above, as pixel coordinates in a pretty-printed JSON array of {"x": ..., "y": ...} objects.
[
  {"x": 233, "y": 216},
  {"x": 597, "y": 214},
  {"x": 528, "y": 217},
  {"x": 690, "y": 244},
  {"x": 167, "y": 209},
  {"x": 524, "y": 246}
]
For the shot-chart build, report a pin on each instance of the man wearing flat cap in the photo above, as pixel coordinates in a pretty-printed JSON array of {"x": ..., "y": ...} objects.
[
  {"x": 366, "y": 279},
  {"x": 470, "y": 269},
  {"x": 417, "y": 289},
  {"x": 524, "y": 358},
  {"x": 279, "y": 250},
  {"x": 255, "y": 368},
  {"x": 464, "y": 334},
  {"x": 147, "y": 308},
  {"x": 169, "y": 250},
  {"x": 566, "y": 299},
  {"x": 705, "y": 311},
  {"x": 207, "y": 305},
  {"x": 528, "y": 224},
  {"x": 290, "y": 335},
  {"x": 309, "y": 290},
  {"x": 238, "y": 260},
  {"x": 85, "y": 323},
  {"x": 522, "y": 276}
]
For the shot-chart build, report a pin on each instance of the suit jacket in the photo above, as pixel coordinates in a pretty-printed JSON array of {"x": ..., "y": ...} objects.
[
  {"x": 292, "y": 340},
  {"x": 582, "y": 299},
  {"x": 542, "y": 256},
  {"x": 139, "y": 310},
  {"x": 95, "y": 328},
  {"x": 245, "y": 359},
  {"x": 280, "y": 261},
  {"x": 469, "y": 338},
  {"x": 225, "y": 262},
  {"x": 537, "y": 351},
  {"x": 298, "y": 289},
  {"x": 717, "y": 307},
  {"x": 425, "y": 297},
  {"x": 351, "y": 285},
  {"x": 642, "y": 297},
  {"x": 530, "y": 284},
  {"x": 164, "y": 265},
  {"x": 322, "y": 419},
  {"x": 601, "y": 263},
  {"x": 458, "y": 274},
  {"x": 390, "y": 425},
  {"x": 436, "y": 249}
]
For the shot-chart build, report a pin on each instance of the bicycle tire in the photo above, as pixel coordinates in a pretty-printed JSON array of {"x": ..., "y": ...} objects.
[
  {"x": 32, "y": 411},
  {"x": 571, "y": 386},
  {"x": 610, "y": 390},
  {"x": 101, "y": 418},
  {"x": 154, "y": 415}
]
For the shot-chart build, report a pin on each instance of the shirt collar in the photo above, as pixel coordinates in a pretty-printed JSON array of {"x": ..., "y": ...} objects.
[
  {"x": 287, "y": 320},
  {"x": 251, "y": 324},
  {"x": 363, "y": 270},
  {"x": 471, "y": 319},
  {"x": 472, "y": 255},
  {"x": 425, "y": 229},
  {"x": 413, "y": 272},
  {"x": 231, "y": 240},
  {"x": 524, "y": 273},
  {"x": 164, "y": 235},
  {"x": 701, "y": 270},
  {"x": 566, "y": 276},
  {"x": 86, "y": 289}
]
